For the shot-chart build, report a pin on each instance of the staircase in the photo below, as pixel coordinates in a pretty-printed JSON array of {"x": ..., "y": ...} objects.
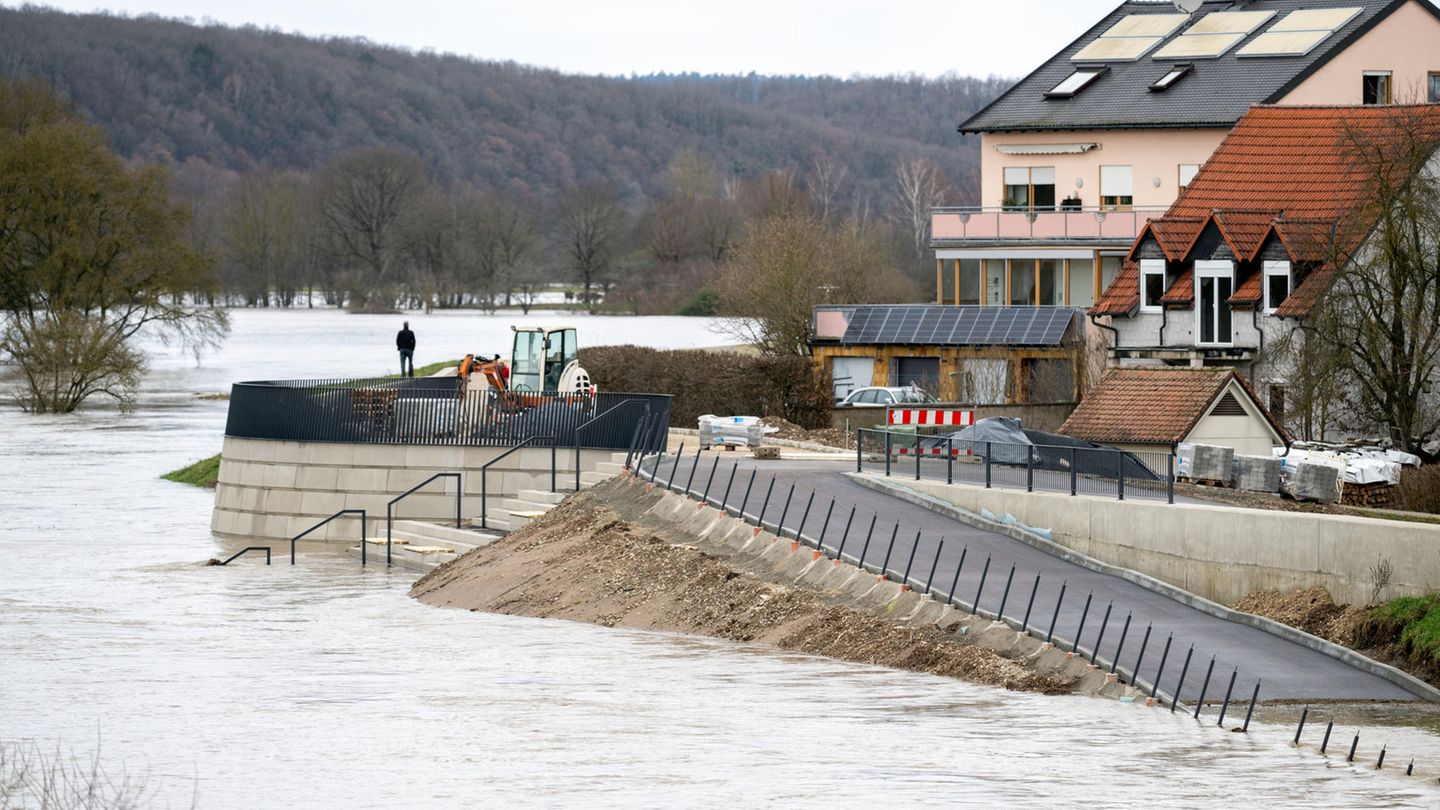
[{"x": 422, "y": 545}]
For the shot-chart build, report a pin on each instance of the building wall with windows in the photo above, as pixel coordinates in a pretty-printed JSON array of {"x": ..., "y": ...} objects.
[
  {"x": 1406, "y": 45},
  {"x": 1148, "y": 154}
]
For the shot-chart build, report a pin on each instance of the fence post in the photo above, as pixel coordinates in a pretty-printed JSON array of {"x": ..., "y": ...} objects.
[
  {"x": 1094, "y": 651},
  {"x": 1005, "y": 597},
  {"x": 1056, "y": 616},
  {"x": 949, "y": 459},
  {"x": 1029, "y": 468},
  {"x": 930, "y": 580},
  {"x": 1229, "y": 690},
  {"x": 1170, "y": 478},
  {"x": 866, "y": 548},
  {"x": 1144, "y": 642},
  {"x": 885, "y": 566},
  {"x": 888, "y": 448},
  {"x": 780, "y": 527},
  {"x": 840, "y": 552},
  {"x": 919, "y": 451},
  {"x": 1164, "y": 656},
  {"x": 859, "y": 457},
  {"x": 725, "y": 499},
  {"x": 1072, "y": 472},
  {"x": 1120, "y": 473},
  {"x": 553, "y": 450},
  {"x": 1034, "y": 589},
  {"x": 740, "y": 511},
  {"x": 1080, "y": 631},
  {"x": 984, "y": 572},
  {"x": 825, "y": 527},
  {"x": 905, "y": 577},
  {"x": 760, "y": 518},
  {"x": 1119, "y": 648},
  {"x": 705, "y": 496},
  {"x": 955, "y": 581},
  {"x": 988, "y": 447},
  {"x": 670, "y": 485},
  {"x": 695, "y": 465},
  {"x": 1184, "y": 670},
  {"x": 1204, "y": 687},
  {"x": 806, "y": 516}
]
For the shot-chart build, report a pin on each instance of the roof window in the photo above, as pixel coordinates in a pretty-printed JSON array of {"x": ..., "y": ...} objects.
[
  {"x": 1079, "y": 80},
  {"x": 1175, "y": 74}
]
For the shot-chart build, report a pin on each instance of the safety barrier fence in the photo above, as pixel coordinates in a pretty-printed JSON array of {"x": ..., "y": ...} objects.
[
  {"x": 433, "y": 411},
  {"x": 1076, "y": 469}
]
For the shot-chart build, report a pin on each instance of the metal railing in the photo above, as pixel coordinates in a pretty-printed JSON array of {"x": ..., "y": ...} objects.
[
  {"x": 424, "y": 411},
  {"x": 1059, "y": 222},
  {"x": 485, "y": 474},
  {"x": 341, "y": 513},
  {"x": 242, "y": 551},
  {"x": 1075, "y": 470},
  {"x": 590, "y": 424},
  {"x": 390, "y": 507}
]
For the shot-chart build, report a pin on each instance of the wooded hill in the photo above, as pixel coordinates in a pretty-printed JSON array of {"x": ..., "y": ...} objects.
[{"x": 234, "y": 99}]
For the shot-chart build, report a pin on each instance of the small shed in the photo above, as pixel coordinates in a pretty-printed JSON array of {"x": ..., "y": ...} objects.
[{"x": 1155, "y": 409}]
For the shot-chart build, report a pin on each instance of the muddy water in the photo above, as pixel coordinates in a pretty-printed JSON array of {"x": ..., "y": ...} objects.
[{"x": 324, "y": 686}]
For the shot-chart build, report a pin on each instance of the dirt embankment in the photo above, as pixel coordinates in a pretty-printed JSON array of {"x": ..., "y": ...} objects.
[
  {"x": 596, "y": 558},
  {"x": 1359, "y": 628}
]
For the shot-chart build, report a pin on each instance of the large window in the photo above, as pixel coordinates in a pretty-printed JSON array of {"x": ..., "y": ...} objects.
[
  {"x": 1022, "y": 282},
  {"x": 1375, "y": 87},
  {"x": 1277, "y": 284},
  {"x": 1152, "y": 284},
  {"x": 969, "y": 287},
  {"x": 1050, "y": 283},
  {"x": 1214, "y": 284},
  {"x": 1117, "y": 187},
  {"x": 1030, "y": 188},
  {"x": 1082, "y": 283}
]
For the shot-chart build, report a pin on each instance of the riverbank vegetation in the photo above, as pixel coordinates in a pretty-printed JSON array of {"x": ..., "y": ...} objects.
[
  {"x": 92, "y": 252},
  {"x": 203, "y": 473}
]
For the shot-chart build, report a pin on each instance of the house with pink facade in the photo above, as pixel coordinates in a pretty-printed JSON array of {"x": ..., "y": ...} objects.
[{"x": 1080, "y": 154}]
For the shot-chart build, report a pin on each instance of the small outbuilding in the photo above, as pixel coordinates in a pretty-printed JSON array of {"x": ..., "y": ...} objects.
[{"x": 1155, "y": 409}]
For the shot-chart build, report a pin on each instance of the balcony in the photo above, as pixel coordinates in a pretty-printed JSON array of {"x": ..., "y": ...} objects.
[{"x": 972, "y": 226}]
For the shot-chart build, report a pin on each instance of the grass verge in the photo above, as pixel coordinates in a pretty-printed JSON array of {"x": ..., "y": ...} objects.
[
  {"x": 203, "y": 473},
  {"x": 1411, "y": 623}
]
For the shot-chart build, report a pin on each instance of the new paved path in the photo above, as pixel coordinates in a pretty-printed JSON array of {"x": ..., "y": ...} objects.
[{"x": 1287, "y": 670}]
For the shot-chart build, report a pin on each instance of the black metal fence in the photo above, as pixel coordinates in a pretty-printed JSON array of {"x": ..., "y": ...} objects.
[
  {"x": 1071, "y": 470},
  {"x": 438, "y": 411}
]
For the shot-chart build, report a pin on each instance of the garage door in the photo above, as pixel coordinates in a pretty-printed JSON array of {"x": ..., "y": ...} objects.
[
  {"x": 849, "y": 373},
  {"x": 924, "y": 372}
]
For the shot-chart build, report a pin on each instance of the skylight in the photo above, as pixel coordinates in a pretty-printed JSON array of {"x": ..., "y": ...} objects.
[
  {"x": 1130, "y": 38},
  {"x": 1079, "y": 80},
  {"x": 1214, "y": 34},
  {"x": 1175, "y": 74},
  {"x": 1299, "y": 32}
]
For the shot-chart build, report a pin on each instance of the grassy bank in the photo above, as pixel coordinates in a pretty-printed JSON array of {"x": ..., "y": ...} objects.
[
  {"x": 1411, "y": 626},
  {"x": 203, "y": 473}
]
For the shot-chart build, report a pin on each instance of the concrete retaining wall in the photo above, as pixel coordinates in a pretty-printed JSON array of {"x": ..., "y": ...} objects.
[
  {"x": 275, "y": 490},
  {"x": 1218, "y": 552}
]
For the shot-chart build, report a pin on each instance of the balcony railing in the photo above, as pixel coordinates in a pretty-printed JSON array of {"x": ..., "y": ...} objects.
[{"x": 950, "y": 225}]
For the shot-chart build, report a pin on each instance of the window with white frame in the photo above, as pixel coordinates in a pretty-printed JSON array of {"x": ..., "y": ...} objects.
[
  {"x": 1277, "y": 285},
  {"x": 1214, "y": 284},
  {"x": 1030, "y": 188},
  {"x": 1117, "y": 186},
  {"x": 1152, "y": 284}
]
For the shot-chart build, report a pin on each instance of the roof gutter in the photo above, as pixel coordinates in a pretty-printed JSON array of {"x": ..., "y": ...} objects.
[{"x": 1108, "y": 328}]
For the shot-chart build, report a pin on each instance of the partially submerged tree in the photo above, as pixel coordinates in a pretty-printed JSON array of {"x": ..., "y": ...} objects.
[
  {"x": 1375, "y": 334},
  {"x": 590, "y": 224},
  {"x": 362, "y": 199},
  {"x": 91, "y": 254}
]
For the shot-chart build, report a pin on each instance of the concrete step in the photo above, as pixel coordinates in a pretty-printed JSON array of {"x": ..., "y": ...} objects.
[
  {"x": 619, "y": 458},
  {"x": 470, "y": 535},
  {"x": 412, "y": 539},
  {"x": 519, "y": 505},
  {"x": 590, "y": 479},
  {"x": 612, "y": 467},
  {"x": 540, "y": 496}
]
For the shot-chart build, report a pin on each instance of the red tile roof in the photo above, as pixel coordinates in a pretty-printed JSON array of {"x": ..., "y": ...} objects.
[
  {"x": 1290, "y": 167},
  {"x": 1251, "y": 290},
  {"x": 1307, "y": 295},
  {"x": 1182, "y": 291},
  {"x": 1123, "y": 294},
  {"x": 1153, "y": 405}
]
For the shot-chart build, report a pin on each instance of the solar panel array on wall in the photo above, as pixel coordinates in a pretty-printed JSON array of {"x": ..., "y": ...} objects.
[{"x": 958, "y": 326}]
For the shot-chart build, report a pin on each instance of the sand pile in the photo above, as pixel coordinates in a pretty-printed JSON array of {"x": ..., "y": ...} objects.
[{"x": 585, "y": 562}]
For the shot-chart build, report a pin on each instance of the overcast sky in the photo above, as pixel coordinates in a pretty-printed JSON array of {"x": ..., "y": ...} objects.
[{"x": 837, "y": 37}]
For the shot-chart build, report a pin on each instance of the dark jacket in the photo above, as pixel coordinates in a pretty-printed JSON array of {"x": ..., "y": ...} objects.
[{"x": 405, "y": 339}]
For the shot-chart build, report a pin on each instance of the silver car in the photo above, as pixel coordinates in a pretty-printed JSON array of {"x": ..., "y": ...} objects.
[{"x": 879, "y": 397}]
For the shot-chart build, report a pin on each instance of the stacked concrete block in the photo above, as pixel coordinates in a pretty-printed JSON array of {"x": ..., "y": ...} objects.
[
  {"x": 1209, "y": 463},
  {"x": 1257, "y": 473},
  {"x": 1316, "y": 482}
]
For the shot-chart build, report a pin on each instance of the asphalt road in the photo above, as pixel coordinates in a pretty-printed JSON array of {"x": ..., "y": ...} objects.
[{"x": 1287, "y": 671}]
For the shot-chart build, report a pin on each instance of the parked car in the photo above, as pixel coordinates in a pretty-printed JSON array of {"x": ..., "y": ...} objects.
[{"x": 879, "y": 397}]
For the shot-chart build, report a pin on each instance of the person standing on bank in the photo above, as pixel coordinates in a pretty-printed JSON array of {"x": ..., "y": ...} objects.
[{"x": 405, "y": 342}]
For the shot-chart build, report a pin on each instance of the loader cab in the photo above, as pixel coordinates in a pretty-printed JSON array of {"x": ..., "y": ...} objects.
[{"x": 540, "y": 357}]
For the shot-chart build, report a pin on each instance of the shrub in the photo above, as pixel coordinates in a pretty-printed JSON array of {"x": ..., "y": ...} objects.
[
  {"x": 1420, "y": 489},
  {"x": 722, "y": 383}
]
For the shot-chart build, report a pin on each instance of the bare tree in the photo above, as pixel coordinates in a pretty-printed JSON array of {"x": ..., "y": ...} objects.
[
  {"x": 363, "y": 197},
  {"x": 1378, "y": 324},
  {"x": 590, "y": 224},
  {"x": 827, "y": 177},
  {"x": 919, "y": 187}
]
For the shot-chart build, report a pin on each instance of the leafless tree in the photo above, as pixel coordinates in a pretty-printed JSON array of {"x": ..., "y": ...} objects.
[
  {"x": 919, "y": 187},
  {"x": 827, "y": 177},
  {"x": 590, "y": 224},
  {"x": 364, "y": 195}
]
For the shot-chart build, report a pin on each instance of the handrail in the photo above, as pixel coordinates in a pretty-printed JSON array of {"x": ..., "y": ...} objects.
[
  {"x": 485, "y": 469},
  {"x": 232, "y": 557},
  {"x": 595, "y": 419},
  {"x": 390, "y": 507},
  {"x": 342, "y": 512}
]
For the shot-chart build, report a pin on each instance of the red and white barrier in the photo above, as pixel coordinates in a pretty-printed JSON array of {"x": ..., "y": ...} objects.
[
  {"x": 933, "y": 451},
  {"x": 923, "y": 417}
]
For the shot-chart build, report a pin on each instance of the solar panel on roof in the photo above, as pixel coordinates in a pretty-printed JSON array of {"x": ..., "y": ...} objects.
[
  {"x": 1319, "y": 19},
  {"x": 1299, "y": 32},
  {"x": 1230, "y": 22},
  {"x": 1146, "y": 25},
  {"x": 1195, "y": 46},
  {"x": 958, "y": 326},
  {"x": 1116, "y": 49}
]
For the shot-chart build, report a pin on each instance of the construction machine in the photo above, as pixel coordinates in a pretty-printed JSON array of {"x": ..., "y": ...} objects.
[{"x": 544, "y": 362}]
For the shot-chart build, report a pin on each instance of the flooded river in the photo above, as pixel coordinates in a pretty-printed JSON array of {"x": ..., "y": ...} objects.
[{"x": 321, "y": 685}]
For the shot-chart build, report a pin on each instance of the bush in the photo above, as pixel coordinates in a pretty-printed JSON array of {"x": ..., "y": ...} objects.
[
  {"x": 1420, "y": 489},
  {"x": 721, "y": 383}
]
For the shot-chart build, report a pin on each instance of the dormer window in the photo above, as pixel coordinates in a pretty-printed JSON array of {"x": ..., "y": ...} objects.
[
  {"x": 1152, "y": 285},
  {"x": 1176, "y": 73},
  {"x": 1277, "y": 285},
  {"x": 1079, "y": 80}
]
